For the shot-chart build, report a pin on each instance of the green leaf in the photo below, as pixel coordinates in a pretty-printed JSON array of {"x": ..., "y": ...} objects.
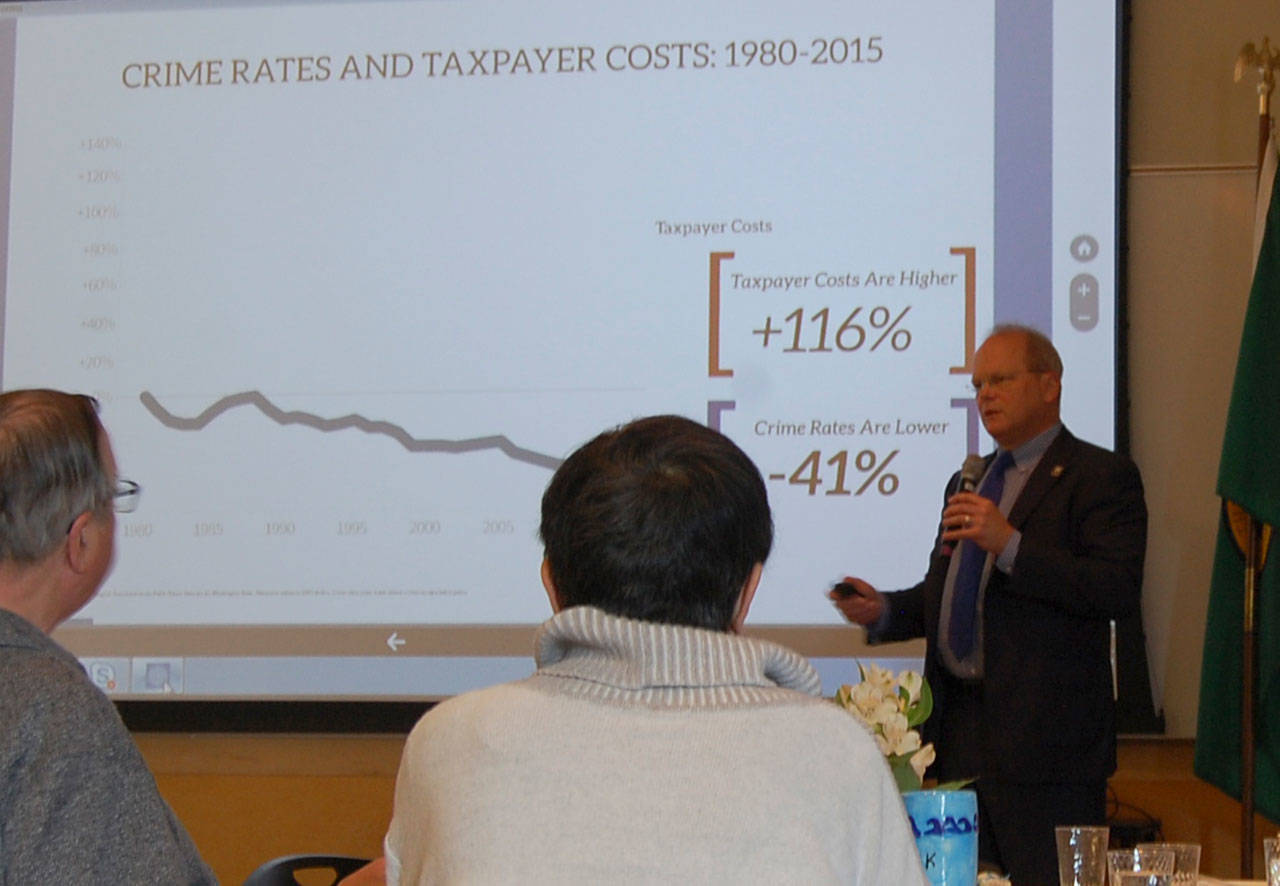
[
  {"x": 903, "y": 775},
  {"x": 923, "y": 708}
]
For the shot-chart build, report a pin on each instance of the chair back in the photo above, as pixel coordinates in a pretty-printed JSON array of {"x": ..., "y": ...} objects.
[{"x": 280, "y": 871}]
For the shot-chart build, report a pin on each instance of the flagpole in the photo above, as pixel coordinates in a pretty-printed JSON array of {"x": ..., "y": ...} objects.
[
  {"x": 1266, "y": 60},
  {"x": 1248, "y": 696}
]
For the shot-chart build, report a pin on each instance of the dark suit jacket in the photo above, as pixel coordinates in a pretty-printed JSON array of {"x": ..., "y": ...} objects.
[{"x": 1046, "y": 695}]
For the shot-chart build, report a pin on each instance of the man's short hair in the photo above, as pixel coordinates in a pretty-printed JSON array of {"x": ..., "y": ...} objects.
[
  {"x": 661, "y": 519},
  {"x": 51, "y": 469},
  {"x": 1042, "y": 356}
]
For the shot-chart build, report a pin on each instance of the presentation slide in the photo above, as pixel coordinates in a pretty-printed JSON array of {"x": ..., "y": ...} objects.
[{"x": 350, "y": 280}]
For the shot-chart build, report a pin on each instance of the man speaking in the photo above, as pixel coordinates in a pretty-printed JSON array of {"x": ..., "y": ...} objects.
[{"x": 1040, "y": 547}]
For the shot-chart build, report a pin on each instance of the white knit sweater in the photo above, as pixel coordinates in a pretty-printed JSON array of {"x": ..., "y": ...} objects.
[{"x": 646, "y": 753}]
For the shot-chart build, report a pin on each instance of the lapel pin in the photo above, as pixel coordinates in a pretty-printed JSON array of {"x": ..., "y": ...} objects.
[{"x": 1057, "y": 471}]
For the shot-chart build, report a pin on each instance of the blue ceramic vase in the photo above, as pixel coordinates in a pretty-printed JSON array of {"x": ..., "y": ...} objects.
[{"x": 945, "y": 824}]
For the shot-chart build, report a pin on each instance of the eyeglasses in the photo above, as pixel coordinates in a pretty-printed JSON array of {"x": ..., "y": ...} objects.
[
  {"x": 126, "y": 495},
  {"x": 124, "y": 498}
]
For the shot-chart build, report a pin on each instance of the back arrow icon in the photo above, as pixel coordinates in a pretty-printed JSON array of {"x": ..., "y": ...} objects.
[{"x": 395, "y": 641}]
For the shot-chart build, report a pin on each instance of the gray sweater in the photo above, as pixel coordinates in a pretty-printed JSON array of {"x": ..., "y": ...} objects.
[
  {"x": 647, "y": 753},
  {"x": 77, "y": 802}
]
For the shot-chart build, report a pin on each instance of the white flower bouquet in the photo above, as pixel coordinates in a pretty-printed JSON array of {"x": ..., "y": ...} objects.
[{"x": 893, "y": 707}]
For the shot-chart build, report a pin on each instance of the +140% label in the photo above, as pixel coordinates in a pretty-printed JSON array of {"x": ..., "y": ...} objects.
[
  {"x": 849, "y": 335},
  {"x": 809, "y": 472}
]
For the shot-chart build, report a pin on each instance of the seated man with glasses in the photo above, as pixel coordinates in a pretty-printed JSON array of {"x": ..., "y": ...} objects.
[{"x": 77, "y": 803}]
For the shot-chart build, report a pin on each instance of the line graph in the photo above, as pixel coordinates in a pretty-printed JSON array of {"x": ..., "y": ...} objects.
[{"x": 350, "y": 421}]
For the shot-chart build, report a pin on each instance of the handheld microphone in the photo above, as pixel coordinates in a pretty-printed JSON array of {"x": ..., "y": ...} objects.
[{"x": 970, "y": 473}]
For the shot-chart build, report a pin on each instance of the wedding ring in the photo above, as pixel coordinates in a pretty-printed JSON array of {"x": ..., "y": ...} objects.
[{"x": 967, "y": 520}]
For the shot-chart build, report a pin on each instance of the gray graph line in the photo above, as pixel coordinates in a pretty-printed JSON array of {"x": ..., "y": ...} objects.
[{"x": 327, "y": 425}]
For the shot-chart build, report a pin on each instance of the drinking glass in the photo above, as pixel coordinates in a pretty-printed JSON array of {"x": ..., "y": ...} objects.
[
  {"x": 1082, "y": 855},
  {"x": 1140, "y": 867},
  {"x": 1140, "y": 878},
  {"x": 1271, "y": 858},
  {"x": 1186, "y": 860}
]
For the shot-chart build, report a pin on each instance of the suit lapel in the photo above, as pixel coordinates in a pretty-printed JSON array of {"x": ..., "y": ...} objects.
[{"x": 1055, "y": 462}]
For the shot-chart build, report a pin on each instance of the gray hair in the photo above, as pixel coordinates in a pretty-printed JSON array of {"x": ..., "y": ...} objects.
[
  {"x": 1042, "y": 356},
  {"x": 51, "y": 469}
]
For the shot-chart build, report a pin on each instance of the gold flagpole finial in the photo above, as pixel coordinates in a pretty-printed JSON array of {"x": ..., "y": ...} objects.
[{"x": 1267, "y": 61}]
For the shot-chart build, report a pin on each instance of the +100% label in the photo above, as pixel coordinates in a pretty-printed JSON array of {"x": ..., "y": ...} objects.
[
  {"x": 849, "y": 335},
  {"x": 809, "y": 472}
]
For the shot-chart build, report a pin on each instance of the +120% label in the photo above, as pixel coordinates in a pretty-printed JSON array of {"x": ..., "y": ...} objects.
[
  {"x": 849, "y": 335},
  {"x": 809, "y": 473}
]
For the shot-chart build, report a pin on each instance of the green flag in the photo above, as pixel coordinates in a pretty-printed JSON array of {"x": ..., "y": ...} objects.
[{"x": 1248, "y": 478}]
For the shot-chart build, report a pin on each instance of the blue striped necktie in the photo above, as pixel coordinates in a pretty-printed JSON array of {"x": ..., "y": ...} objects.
[{"x": 964, "y": 595}]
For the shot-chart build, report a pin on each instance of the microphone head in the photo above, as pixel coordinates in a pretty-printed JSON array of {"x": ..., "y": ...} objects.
[{"x": 971, "y": 472}]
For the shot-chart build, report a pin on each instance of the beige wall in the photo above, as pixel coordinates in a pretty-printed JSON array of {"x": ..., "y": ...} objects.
[
  {"x": 1192, "y": 138},
  {"x": 1192, "y": 147},
  {"x": 247, "y": 799},
  {"x": 1154, "y": 779}
]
